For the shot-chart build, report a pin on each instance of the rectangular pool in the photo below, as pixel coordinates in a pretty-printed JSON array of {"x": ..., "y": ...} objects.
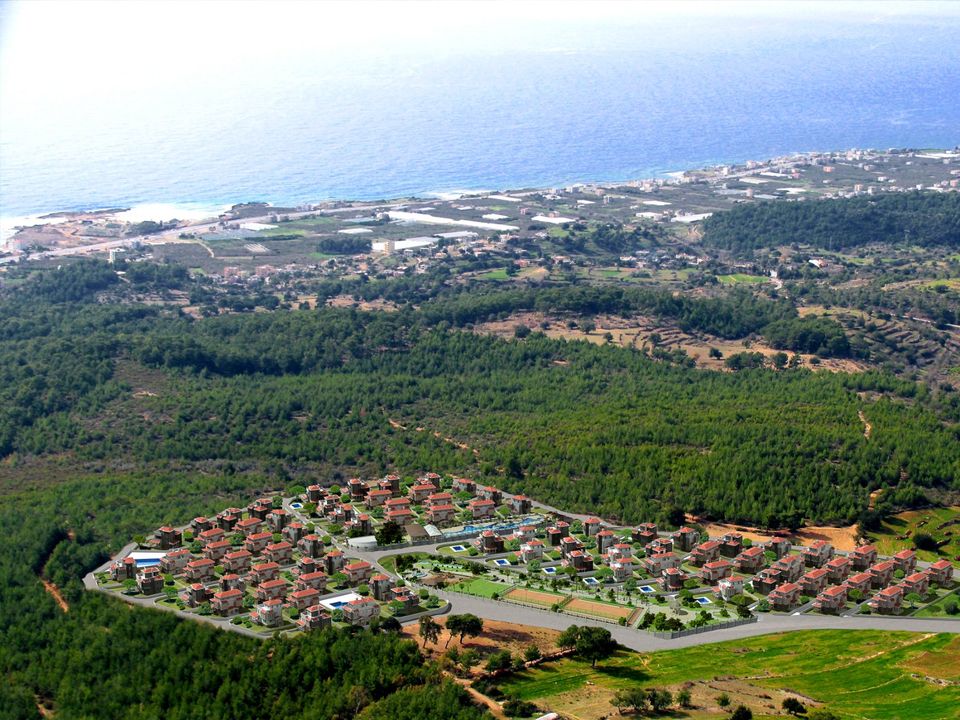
[
  {"x": 702, "y": 600},
  {"x": 646, "y": 589},
  {"x": 550, "y": 571},
  {"x": 502, "y": 562},
  {"x": 457, "y": 548},
  {"x": 591, "y": 581}
]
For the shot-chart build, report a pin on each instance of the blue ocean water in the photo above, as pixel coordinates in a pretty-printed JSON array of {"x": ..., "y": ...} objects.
[{"x": 543, "y": 106}]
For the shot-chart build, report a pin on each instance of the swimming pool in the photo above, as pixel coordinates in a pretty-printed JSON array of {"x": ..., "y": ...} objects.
[
  {"x": 148, "y": 562},
  {"x": 502, "y": 562},
  {"x": 646, "y": 589},
  {"x": 296, "y": 505},
  {"x": 457, "y": 548},
  {"x": 702, "y": 600},
  {"x": 550, "y": 571},
  {"x": 591, "y": 581}
]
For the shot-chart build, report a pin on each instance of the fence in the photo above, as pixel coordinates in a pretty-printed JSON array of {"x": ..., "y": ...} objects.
[{"x": 673, "y": 635}]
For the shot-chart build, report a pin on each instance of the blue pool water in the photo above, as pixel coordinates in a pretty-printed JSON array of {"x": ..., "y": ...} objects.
[
  {"x": 646, "y": 589},
  {"x": 550, "y": 571},
  {"x": 296, "y": 505},
  {"x": 501, "y": 562},
  {"x": 336, "y": 604},
  {"x": 591, "y": 581},
  {"x": 457, "y": 548},
  {"x": 148, "y": 562},
  {"x": 703, "y": 600}
]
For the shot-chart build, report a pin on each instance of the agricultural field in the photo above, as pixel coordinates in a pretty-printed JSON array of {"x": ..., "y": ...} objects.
[
  {"x": 898, "y": 532},
  {"x": 858, "y": 674}
]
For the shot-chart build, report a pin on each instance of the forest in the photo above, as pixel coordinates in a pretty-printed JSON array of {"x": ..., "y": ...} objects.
[
  {"x": 117, "y": 418},
  {"x": 913, "y": 218}
]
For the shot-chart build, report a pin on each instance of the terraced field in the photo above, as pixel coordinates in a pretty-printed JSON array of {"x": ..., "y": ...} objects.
[
  {"x": 861, "y": 674},
  {"x": 943, "y": 524}
]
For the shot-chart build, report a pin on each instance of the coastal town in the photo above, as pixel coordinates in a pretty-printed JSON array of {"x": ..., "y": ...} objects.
[
  {"x": 396, "y": 549},
  {"x": 256, "y": 244}
]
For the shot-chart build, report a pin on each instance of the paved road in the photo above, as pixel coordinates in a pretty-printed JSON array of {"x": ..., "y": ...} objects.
[{"x": 638, "y": 640}]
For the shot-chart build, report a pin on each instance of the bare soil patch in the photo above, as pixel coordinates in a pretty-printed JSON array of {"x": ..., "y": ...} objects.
[
  {"x": 842, "y": 538},
  {"x": 496, "y": 636}
]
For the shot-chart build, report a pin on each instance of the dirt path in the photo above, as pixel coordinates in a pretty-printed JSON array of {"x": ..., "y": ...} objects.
[
  {"x": 492, "y": 705},
  {"x": 867, "y": 427},
  {"x": 456, "y": 443},
  {"x": 55, "y": 593}
]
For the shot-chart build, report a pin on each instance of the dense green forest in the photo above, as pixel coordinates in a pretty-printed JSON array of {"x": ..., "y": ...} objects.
[
  {"x": 915, "y": 218},
  {"x": 117, "y": 418},
  {"x": 601, "y": 428}
]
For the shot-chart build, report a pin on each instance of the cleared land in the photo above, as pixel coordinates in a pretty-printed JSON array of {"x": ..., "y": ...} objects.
[
  {"x": 534, "y": 597},
  {"x": 862, "y": 674}
]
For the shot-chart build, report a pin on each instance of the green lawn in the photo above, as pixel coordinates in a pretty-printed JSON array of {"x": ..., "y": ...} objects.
[
  {"x": 937, "y": 609},
  {"x": 481, "y": 587},
  {"x": 741, "y": 279},
  {"x": 858, "y": 674},
  {"x": 498, "y": 274}
]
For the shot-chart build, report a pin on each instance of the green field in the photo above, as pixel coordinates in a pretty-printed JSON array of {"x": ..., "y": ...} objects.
[
  {"x": 927, "y": 521},
  {"x": 481, "y": 587},
  {"x": 857, "y": 674},
  {"x": 937, "y": 609},
  {"x": 741, "y": 279},
  {"x": 498, "y": 274}
]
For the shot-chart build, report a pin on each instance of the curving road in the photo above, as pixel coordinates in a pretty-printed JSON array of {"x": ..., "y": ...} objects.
[{"x": 643, "y": 641}]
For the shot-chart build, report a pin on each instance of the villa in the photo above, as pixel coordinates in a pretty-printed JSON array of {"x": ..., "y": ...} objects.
[
  {"x": 268, "y": 613},
  {"x": 531, "y": 550},
  {"x": 257, "y": 542},
  {"x": 314, "y": 580},
  {"x": 905, "y": 561},
  {"x": 831, "y": 600},
  {"x": 358, "y": 572},
  {"x": 481, "y": 508},
  {"x": 785, "y": 597},
  {"x": 814, "y": 581},
  {"x": 314, "y": 617},
  {"x": 271, "y": 589},
  {"x": 941, "y": 573},
  {"x": 705, "y": 553},
  {"x": 881, "y": 573},
  {"x": 863, "y": 557},
  {"x": 888, "y": 601},
  {"x": 361, "y": 611},
  {"x": 199, "y": 570},
  {"x": 838, "y": 569},
  {"x": 918, "y": 582},
  {"x": 302, "y": 599},
  {"x": 713, "y": 571},
  {"x": 644, "y": 533},
  {"x": 686, "y": 538},
  {"x": 264, "y": 571},
  {"x": 818, "y": 554},
  {"x": 227, "y": 602},
  {"x": 168, "y": 537},
  {"x": 729, "y": 587},
  {"x": 174, "y": 562},
  {"x": 519, "y": 504},
  {"x": 750, "y": 560}
]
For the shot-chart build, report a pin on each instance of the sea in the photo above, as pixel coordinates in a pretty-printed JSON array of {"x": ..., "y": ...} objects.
[{"x": 538, "y": 105}]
